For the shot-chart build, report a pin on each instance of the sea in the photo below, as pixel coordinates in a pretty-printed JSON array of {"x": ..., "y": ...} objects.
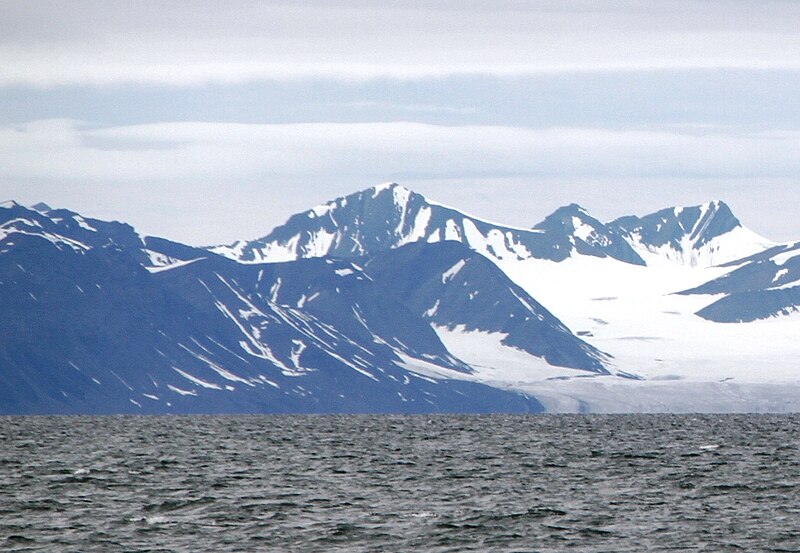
[{"x": 426, "y": 483}]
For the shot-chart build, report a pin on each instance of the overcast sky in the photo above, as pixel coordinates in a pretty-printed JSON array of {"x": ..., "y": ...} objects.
[{"x": 207, "y": 122}]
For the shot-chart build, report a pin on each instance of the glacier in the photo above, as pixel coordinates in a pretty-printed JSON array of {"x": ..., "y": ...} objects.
[
  {"x": 385, "y": 301},
  {"x": 659, "y": 293}
]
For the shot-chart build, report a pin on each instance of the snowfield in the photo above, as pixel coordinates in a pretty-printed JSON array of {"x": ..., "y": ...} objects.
[
  {"x": 678, "y": 362},
  {"x": 621, "y": 298},
  {"x": 665, "y": 357}
]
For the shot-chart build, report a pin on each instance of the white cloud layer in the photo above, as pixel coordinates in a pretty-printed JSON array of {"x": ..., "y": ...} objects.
[
  {"x": 255, "y": 175},
  {"x": 45, "y": 43},
  {"x": 71, "y": 150}
]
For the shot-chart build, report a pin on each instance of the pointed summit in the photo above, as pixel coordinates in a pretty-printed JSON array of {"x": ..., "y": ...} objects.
[
  {"x": 699, "y": 223},
  {"x": 568, "y": 218},
  {"x": 389, "y": 215},
  {"x": 375, "y": 219},
  {"x": 715, "y": 219},
  {"x": 378, "y": 188},
  {"x": 701, "y": 235},
  {"x": 571, "y": 227}
]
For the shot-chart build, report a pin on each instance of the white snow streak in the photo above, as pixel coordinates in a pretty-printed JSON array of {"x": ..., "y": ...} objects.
[{"x": 453, "y": 271}]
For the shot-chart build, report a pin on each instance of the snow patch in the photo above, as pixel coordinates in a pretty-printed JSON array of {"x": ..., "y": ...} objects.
[
  {"x": 322, "y": 209},
  {"x": 779, "y": 274},
  {"x": 432, "y": 310},
  {"x": 319, "y": 244},
  {"x": 297, "y": 350},
  {"x": 181, "y": 391},
  {"x": 731, "y": 246},
  {"x": 783, "y": 257},
  {"x": 83, "y": 224},
  {"x": 453, "y": 271},
  {"x": 451, "y": 231},
  {"x": 196, "y": 380},
  {"x": 173, "y": 265}
]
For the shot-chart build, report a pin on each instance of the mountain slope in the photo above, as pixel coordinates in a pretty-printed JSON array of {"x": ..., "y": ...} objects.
[
  {"x": 762, "y": 286},
  {"x": 390, "y": 216},
  {"x": 571, "y": 228},
  {"x": 422, "y": 309},
  {"x": 703, "y": 235},
  {"x": 68, "y": 230},
  {"x": 454, "y": 287},
  {"x": 96, "y": 327}
]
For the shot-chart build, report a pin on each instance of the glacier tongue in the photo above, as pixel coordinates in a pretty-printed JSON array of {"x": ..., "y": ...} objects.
[
  {"x": 495, "y": 295},
  {"x": 615, "y": 284}
]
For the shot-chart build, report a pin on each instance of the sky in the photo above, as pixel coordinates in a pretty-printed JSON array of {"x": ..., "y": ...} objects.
[{"x": 207, "y": 122}]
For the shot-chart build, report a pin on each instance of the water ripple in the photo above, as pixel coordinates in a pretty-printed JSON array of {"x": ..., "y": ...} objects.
[{"x": 383, "y": 484}]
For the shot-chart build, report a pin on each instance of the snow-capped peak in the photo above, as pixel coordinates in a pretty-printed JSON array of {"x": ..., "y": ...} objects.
[
  {"x": 386, "y": 186},
  {"x": 702, "y": 235},
  {"x": 389, "y": 215},
  {"x": 385, "y": 217}
]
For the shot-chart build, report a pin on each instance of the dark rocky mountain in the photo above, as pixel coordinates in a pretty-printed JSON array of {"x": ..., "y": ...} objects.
[
  {"x": 64, "y": 229},
  {"x": 345, "y": 316},
  {"x": 572, "y": 228},
  {"x": 764, "y": 285},
  {"x": 452, "y": 286},
  {"x": 675, "y": 227},
  {"x": 100, "y": 320},
  {"x": 389, "y": 216},
  {"x": 704, "y": 235}
]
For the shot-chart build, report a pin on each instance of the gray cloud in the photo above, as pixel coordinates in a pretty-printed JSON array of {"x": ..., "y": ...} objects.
[
  {"x": 69, "y": 150},
  {"x": 749, "y": 99},
  {"x": 195, "y": 42},
  {"x": 201, "y": 170},
  {"x": 209, "y": 121}
]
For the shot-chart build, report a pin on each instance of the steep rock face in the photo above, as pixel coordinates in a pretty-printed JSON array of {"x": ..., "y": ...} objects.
[
  {"x": 704, "y": 235},
  {"x": 68, "y": 230},
  {"x": 376, "y": 219},
  {"x": 571, "y": 228},
  {"x": 761, "y": 286},
  {"x": 64, "y": 229},
  {"x": 390, "y": 216},
  {"x": 103, "y": 330},
  {"x": 452, "y": 286}
]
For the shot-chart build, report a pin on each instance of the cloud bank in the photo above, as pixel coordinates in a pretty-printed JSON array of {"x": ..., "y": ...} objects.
[
  {"x": 106, "y": 43},
  {"x": 72, "y": 150},
  {"x": 187, "y": 168},
  {"x": 210, "y": 121}
]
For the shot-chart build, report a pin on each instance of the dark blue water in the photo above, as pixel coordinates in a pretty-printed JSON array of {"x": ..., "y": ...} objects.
[{"x": 364, "y": 483}]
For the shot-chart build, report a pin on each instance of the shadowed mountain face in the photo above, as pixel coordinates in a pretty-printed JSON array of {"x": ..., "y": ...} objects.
[
  {"x": 452, "y": 286},
  {"x": 342, "y": 308},
  {"x": 107, "y": 322},
  {"x": 759, "y": 287},
  {"x": 571, "y": 228},
  {"x": 389, "y": 216},
  {"x": 677, "y": 227}
]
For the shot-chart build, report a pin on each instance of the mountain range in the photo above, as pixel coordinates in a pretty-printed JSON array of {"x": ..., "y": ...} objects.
[{"x": 385, "y": 301}]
